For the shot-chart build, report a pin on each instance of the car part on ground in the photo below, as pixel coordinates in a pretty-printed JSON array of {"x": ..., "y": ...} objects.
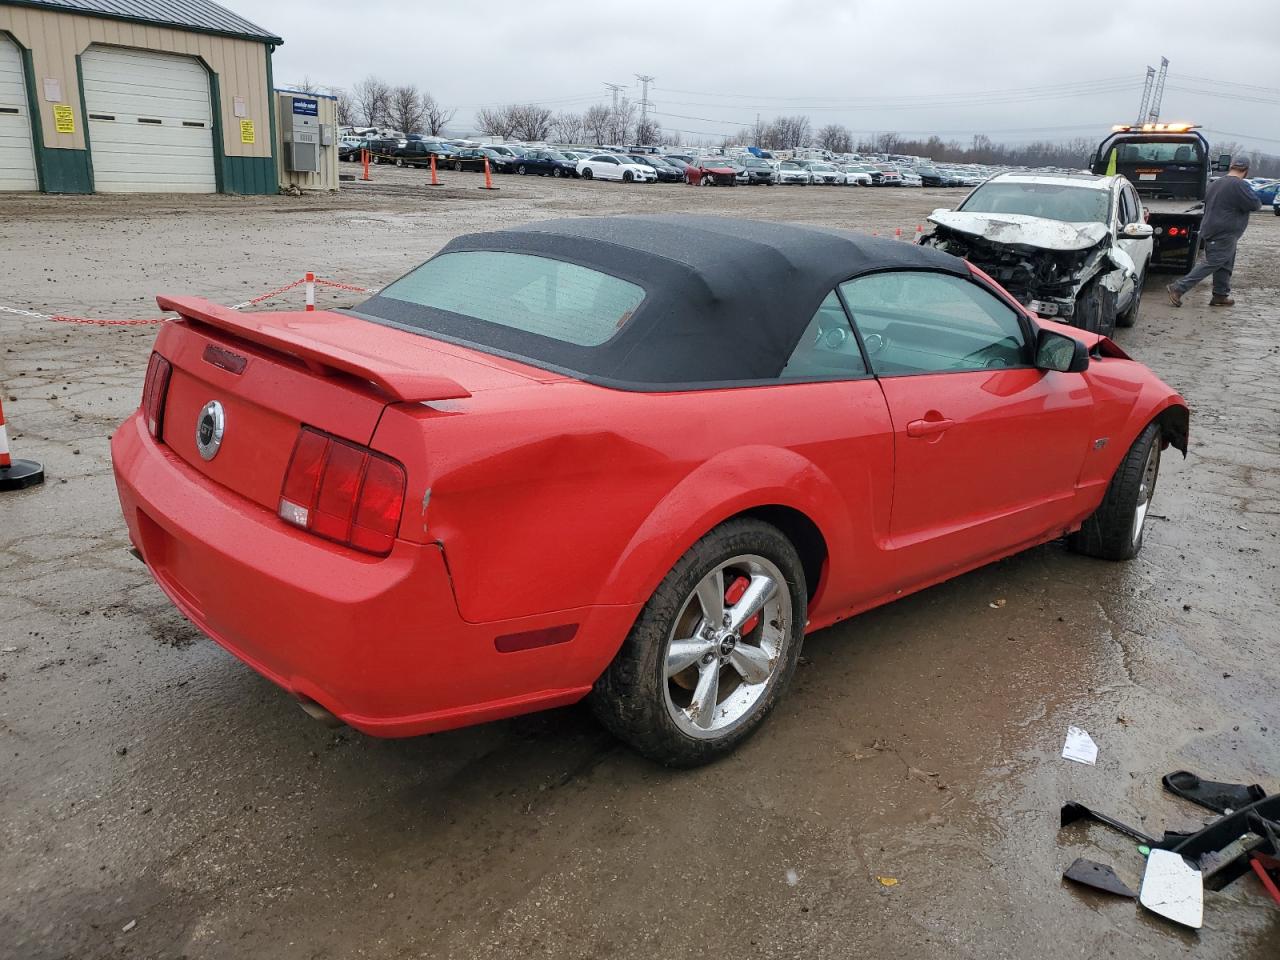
[{"x": 1100, "y": 876}]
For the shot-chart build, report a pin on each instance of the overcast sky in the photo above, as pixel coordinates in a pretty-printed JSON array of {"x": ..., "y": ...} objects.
[{"x": 1014, "y": 69}]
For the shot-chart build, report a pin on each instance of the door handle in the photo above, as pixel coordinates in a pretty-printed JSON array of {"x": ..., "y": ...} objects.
[{"x": 928, "y": 428}]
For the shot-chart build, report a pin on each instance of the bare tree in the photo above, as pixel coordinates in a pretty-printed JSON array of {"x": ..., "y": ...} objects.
[
  {"x": 530, "y": 121},
  {"x": 372, "y": 100},
  {"x": 344, "y": 107},
  {"x": 567, "y": 128},
  {"x": 596, "y": 122},
  {"x": 620, "y": 121},
  {"x": 405, "y": 110},
  {"x": 835, "y": 138},
  {"x": 787, "y": 133},
  {"x": 307, "y": 85},
  {"x": 648, "y": 131},
  {"x": 495, "y": 121},
  {"x": 434, "y": 116}
]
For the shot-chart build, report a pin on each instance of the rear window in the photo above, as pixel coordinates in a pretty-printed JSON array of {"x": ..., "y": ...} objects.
[{"x": 551, "y": 298}]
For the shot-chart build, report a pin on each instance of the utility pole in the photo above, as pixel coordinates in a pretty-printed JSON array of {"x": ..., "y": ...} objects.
[{"x": 645, "y": 80}]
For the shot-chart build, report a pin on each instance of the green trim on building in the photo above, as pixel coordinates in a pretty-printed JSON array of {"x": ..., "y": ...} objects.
[
  {"x": 215, "y": 101},
  {"x": 249, "y": 175},
  {"x": 67, "y": 171},
  {"x": 271, "y": 120},
  {"x": 84, "y": 118}
]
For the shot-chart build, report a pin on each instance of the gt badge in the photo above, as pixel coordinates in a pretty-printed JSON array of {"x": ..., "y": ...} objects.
[{"x": 209, "y": 429}]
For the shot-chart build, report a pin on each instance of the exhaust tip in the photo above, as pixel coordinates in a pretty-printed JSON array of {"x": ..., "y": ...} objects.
[{"x": 317, "y": 712}]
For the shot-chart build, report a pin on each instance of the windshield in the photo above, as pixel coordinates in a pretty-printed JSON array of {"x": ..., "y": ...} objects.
[
  {"x": 551, "y": 298},
  {"x": 822, "y": 167},
  {"x": 1052, "y": 201},
  {"x": 553, "y": 155},
  {"x": 788, "y": 165}
]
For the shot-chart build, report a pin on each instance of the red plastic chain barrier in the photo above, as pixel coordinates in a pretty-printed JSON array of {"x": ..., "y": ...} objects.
[{"x": 96, "y": 322}]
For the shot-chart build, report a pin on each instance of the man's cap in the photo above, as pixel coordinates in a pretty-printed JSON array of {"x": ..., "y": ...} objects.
[{"x": 1239, "y": 163}]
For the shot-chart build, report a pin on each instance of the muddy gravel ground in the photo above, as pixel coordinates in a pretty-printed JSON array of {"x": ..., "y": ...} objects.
[{"x": 159, "y": 799}]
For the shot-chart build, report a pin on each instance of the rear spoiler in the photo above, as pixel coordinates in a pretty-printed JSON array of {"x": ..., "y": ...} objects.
[{"x": 287, "y": 333}]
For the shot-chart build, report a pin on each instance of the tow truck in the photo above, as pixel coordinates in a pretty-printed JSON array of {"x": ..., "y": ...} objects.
[{"x": 1169, "y": 165}]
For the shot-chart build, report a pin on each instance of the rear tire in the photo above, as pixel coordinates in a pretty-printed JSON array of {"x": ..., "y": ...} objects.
[
  {"x": 1096, "y": 309},
  {"x": 649, "y": 699},
  {"x": 1115, "y": 530}
]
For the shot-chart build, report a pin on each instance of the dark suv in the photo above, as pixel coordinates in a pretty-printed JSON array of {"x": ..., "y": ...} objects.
[{"x": 418, "y": 153}]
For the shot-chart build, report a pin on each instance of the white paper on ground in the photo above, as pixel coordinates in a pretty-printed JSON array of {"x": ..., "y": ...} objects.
[
  {"x": 1080, "y": 747},
  {"x": 1173, "y": 889}
]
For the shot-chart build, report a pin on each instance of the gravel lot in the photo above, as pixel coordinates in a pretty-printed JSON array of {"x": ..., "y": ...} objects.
[{"x": 160, "y": 799}]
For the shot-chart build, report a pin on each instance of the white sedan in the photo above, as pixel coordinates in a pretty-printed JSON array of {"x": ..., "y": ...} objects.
[
  {"x": 605, "y": 166},
  {"x": 854, "y": 175}
]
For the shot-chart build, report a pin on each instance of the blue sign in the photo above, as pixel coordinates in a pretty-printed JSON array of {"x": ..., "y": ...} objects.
[{"x": 306, "y": 107}]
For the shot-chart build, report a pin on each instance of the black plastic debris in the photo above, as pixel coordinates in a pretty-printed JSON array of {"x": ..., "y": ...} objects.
[
  {"x": 1099, "y": 876},
  {"x": 1218, "y": 797}
]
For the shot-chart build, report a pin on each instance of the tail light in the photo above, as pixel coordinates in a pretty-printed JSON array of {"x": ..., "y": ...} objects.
[
  {"x": 343, "y": 492},
  {"x": 153, "y": 393}
]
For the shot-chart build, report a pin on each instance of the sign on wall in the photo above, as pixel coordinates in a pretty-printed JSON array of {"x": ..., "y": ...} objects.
[
  {"x": 238, "y": 107},
  {"x": 246, "y": 131},
  {"x": 64, "y": 120},
  {"x": 52, "y": 89},
  {"x": 306, "y": 107}
]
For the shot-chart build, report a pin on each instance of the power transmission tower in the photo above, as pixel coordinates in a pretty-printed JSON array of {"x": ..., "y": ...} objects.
[
  {"x": 1146, "y": 96},
  {"x": 645, "y": 80},
  {"x": 616, "y": 88},
  {"x": 1156, "y": 97}
]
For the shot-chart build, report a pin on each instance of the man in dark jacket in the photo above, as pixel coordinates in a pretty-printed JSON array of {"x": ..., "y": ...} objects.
[{"x": 1227, "y": 205}]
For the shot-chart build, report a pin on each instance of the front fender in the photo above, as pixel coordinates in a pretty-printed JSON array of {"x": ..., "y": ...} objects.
[{"x": 726, "y": 485}]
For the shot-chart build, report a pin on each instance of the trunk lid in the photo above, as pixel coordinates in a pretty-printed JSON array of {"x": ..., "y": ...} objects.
[{"x": 272, "y": 373}]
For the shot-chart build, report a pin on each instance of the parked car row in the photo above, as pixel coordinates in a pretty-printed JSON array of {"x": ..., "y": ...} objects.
[{"x": 645, "y": 165}]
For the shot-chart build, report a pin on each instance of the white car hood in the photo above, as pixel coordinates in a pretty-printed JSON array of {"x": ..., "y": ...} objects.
[{"x": 1017, "y": 228}]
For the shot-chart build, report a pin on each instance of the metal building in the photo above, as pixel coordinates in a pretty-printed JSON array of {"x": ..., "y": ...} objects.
[{"x": 128, "y": 96}]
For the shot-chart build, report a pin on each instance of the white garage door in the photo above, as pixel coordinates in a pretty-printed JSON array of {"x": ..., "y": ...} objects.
[
  {"x": 17, "y": 162},
  {"x": 150, "y": 122}
]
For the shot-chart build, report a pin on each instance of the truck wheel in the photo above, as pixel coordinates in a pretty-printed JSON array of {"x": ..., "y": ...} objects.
[
  {"x": 1114, "y": 531},
  {"x": 1130, "y": 316},
  {"x": 712, "y": 651},
  {"x": 1096, "y": 309}
]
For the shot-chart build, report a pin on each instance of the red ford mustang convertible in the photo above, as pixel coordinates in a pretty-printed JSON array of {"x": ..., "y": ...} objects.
[{"x": 635, "y": 459}]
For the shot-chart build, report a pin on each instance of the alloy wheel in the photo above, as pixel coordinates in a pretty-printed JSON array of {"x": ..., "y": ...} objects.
[
  {"x": 1146, "y": 488},
  {"x": 725, "y": 646}
]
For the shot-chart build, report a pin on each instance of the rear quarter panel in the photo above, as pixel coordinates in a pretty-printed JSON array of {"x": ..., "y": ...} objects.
[{"x": 564, "y": 495}]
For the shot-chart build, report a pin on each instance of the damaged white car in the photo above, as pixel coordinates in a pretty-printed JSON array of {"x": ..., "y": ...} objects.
[{"x": 1073, "y": 247}]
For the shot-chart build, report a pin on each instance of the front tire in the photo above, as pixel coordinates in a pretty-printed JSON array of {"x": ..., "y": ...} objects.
[
  {"x": 712, "y": 651},
  {"x": 586, "y": 173},
  {"x": 627, "y": 176},
  {"x": 1114, "y": 531},
  {"x": 1130, "y": 316}
]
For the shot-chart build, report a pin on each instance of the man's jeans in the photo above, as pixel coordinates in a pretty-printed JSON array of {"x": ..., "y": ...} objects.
[{"x": 1217, "y": 257}]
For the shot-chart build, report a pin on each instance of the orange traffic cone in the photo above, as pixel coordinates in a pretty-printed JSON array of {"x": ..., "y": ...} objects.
[
  {"x": 488, "y": 178},
  {"x": 364, "y": 159},
  {"x": 897, "y": 233},
  {"x": 435, "y": 181},
  {"x": 16, "y": 474}
]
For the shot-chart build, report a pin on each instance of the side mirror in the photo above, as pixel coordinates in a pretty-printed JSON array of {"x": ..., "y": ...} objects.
[
  {"x": 1137, "y": 231},
  {"x": 1057, "y": 351},
  {"x": 1223, "y": 163}
]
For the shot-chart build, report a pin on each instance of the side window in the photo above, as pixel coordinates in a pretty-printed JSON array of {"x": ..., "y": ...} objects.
[
  {"x": 1127, "y": 212},
  {"x": 919, "y": 322},
  {"x": 828, "y": 349}
]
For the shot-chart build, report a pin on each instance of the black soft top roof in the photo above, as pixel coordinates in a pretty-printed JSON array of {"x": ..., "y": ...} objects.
[{"x": 726, "y": 300}]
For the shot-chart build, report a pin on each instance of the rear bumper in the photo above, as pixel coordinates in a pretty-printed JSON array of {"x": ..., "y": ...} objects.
[{"x": 378, "y": 642}]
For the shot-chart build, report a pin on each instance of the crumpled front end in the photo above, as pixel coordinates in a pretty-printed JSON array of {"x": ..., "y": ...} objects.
[{"x": 1045, "y": 281}]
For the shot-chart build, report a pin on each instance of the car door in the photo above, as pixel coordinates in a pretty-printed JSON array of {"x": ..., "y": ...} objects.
[
  {"x": 987, "y": 448},
  {"x": 1129, "y": 210},
  {"x": 606, "y": 168}
]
